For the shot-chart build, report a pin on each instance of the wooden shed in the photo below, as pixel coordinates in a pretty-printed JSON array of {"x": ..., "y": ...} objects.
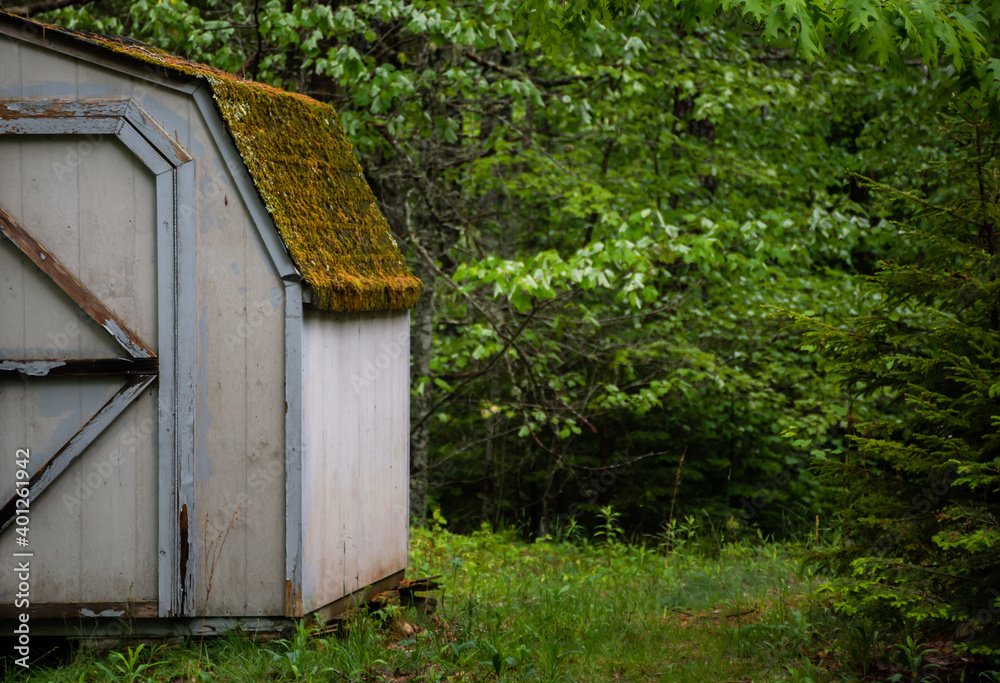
[{"x": 204, "y": 346}]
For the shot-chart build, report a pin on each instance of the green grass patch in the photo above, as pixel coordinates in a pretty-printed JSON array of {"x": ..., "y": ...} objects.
[{"x": 549, "y": 611}]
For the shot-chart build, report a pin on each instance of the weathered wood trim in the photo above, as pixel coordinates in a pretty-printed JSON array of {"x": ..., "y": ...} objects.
[
  {"x": 89, "y": 628},
  {"x": 43, "y": 108},
  {"x": 57, "y": 41},
  {"x": 123, "y": 118},
  {"x": 294, "y": 367},
  {"x": 153, "y": 132},
  {"x": 135, "y": 609},
  {"x": 69, "y": 367},
  {"x": 358, "y": 597},
  {"x": 185, "y": 389},
  {"x": 65, "y": 126},
  {"x": 65, "y": 456},
  {"x": 168, "y": 541},
  {"x": 262, "y": 221},
  {"x": 75, "y": 289},
  {"x": 147, "y": 154}
]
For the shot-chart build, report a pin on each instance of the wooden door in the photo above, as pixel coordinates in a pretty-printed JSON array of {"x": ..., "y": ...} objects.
[{"x": 88, "y": 217}]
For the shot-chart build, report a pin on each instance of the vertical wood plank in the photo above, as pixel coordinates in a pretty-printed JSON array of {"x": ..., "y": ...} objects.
[
  {"x": 119, "y": 519},
  {"x": 264, "y": 514},
  {"x": 368, "y": 457},
  {"x": 50, "y": 211},
  {"x": 185, "y": 388},
  {"x": 10, "y": 69},
  {"x": 350, "y": 474},
  {"x": 167, "y": 534},
  {"x": 12, "y": 293},
  {"x": 401, "y": 438},
  {"x": 222, "y": 418},
  {"x": 47, "y": 74},
  {"x": 356, "y": 421},
  {"x": 241, "y": 401}
]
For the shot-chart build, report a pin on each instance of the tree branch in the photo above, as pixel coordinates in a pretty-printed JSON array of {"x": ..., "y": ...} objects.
[{"x": 46, "y": 6}]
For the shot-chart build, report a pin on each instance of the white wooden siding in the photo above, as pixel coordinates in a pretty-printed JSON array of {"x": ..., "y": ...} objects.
[
  {"x": 240, "y": 405},
  {"x": 355, "y": 469}
]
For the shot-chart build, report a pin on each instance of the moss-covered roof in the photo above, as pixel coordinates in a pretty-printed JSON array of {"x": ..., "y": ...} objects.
[{"x": 308, "y": 177}]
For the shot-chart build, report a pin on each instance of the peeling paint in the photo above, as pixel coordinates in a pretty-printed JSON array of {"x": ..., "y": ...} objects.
[
  {"x": 204, "y": 412},
  {"x": 120, "y": 334},
  {"x": 35, "y": 368},
  {"x": 106, "y": 613},
  {"x": 61, "y": 108}
]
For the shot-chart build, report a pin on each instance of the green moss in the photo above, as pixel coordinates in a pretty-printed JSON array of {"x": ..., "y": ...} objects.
[
  {"x": 312, "y": 185},
  {"x": 305, "y": 171}
]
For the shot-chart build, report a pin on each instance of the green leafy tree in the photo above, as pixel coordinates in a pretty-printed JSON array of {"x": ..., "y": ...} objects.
[
  {"x": 935, "y": 32},
  {"x": 599, "y": 229}
]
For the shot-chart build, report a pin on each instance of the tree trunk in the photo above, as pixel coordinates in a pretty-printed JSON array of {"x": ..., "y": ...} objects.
[
  {"x": 421, "y": 351},
  {"x": 549, "y": 497},
  {"x": 490, "y": 456}
]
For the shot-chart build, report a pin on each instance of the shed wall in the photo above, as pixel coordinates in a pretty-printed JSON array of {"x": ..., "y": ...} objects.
[
  {"x": 240, "y": 406},
  {"x": 239, "y": 430},
  {"x": 355, "y": 466}
]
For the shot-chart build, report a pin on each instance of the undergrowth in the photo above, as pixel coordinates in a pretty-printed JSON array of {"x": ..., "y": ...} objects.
[{"x": 576, "y": 608}]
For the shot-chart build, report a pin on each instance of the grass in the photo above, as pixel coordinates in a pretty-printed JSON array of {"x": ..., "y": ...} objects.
[{"x": 575, "y": 609}]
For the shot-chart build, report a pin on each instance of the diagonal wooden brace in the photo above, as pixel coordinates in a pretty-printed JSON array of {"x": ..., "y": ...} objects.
[
  {"x": 65, "y": 456},
  {"x": 75, "y": 289}
]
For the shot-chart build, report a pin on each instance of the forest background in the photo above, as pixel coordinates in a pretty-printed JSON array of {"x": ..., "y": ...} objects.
[
  {"x": 615, "y": 225},
  {"x": 626, "y": 218},
  {"x": 724, "y": 259}
]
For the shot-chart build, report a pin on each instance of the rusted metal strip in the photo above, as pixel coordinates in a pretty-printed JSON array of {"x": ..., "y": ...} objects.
[
  {"x": 65, "y": 456},
  {"x": 68, "y": 367},
  {"x": 76, "y": 290}
]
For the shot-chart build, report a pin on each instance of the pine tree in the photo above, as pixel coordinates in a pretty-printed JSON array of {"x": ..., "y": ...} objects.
[{"x": 922, "y": 484}]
